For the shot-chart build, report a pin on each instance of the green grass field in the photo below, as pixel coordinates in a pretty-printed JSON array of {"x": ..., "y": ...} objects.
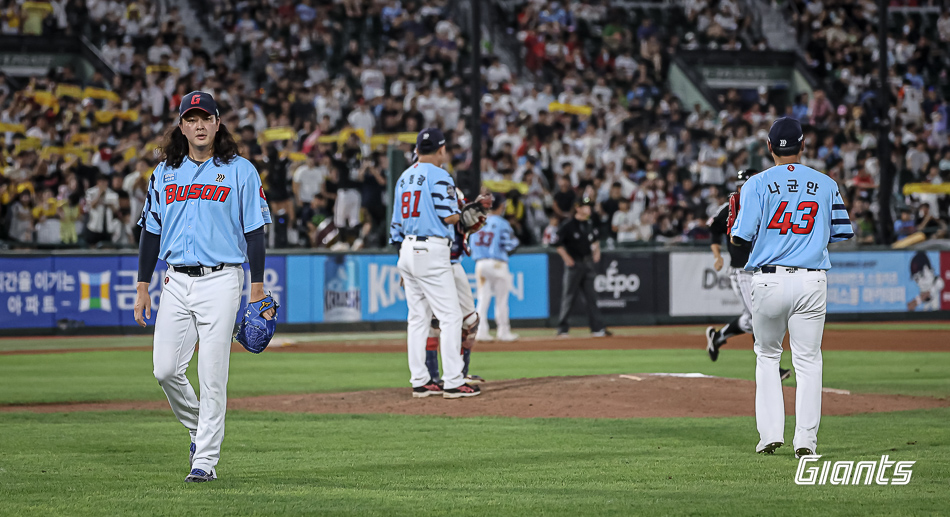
[{"x": 283, "y": 464}]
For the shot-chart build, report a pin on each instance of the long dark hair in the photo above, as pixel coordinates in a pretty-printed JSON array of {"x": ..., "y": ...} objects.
[{"x": 175, "y": 146}]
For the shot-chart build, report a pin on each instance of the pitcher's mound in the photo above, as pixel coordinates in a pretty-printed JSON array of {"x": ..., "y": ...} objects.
[{"x": 600, "y": 396}]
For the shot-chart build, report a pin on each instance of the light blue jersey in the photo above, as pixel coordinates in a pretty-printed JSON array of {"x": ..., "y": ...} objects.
[
  {"x": 494, "y": 241},
  {"x": 425, "y": 195},
  {"x": 202, "y": 211},
  {"x": 790, "y": 213}
]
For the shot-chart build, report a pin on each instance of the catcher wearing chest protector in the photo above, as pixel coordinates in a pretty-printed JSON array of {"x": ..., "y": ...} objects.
[{"x": 472, "y": 218}]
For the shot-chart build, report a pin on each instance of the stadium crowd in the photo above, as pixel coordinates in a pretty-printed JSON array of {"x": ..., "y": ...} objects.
[{"x": 317, "y": 91}]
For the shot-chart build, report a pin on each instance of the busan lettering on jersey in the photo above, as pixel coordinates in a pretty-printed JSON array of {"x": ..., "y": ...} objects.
[{"x": 175, "y": 193}]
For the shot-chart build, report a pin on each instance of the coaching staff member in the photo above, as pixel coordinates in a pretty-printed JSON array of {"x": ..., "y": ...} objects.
[{"x": 577, "y": 243}]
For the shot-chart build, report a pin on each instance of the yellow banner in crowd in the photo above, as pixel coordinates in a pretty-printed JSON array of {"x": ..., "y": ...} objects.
[
  {"x": 276, "y": 134},
  {"x": 14, "y": 128},
  {"x": 154, "y": 69},
  {"x": 573, "y": 109},
  {"x": 505, "y": 186},
  {"x": 926, "y": 188},
  {"x": 99, "y": 93},
  {"x": 68, "y": 90}
]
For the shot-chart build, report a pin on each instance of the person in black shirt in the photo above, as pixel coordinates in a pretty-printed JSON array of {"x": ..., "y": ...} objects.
[
  {"x": 564, "y": 198},
  {"x": 720, "y": 225},
  {"x": 578, "y": 245},
  {"x": 611, "y": 205}
]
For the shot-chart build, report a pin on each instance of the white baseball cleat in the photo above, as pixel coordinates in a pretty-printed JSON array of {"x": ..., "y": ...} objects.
[
  {"x": 486, "y": 337},
  {"x": 509, "y": 337}
]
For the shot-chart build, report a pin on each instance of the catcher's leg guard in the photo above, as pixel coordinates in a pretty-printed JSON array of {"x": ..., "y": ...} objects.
[
  {"x": 466, "y": 359},
  {"x": 469, "y": 329}
]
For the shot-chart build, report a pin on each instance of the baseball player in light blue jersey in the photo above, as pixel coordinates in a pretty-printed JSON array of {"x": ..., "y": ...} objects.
[
  {"x": 205, "y": 217},
  {"x": 789, "y": 214},
  {"x": 490, "y": 248},
  {"x": 424, "y": 214}
]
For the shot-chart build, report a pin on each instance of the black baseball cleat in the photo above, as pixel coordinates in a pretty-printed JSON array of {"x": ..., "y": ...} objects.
[
  {"x": 429, "y": 388},
  {"x": 803, "y": 451},
  {"x": 769, "y": 448},
  {"x": 465, "y": 390},
  {"x": 711, "y": 345},
  {"x": 784, "y": 374}
]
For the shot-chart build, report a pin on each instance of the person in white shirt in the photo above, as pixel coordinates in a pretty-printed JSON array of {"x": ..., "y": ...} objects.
[
  {"x": 308, "y": 179},
  {"x": 510, "y": 136},
  {"x": 362, "y": 118},
  {"x": 498, "y": 72},
  {"x": 157, "y": 50},
  {"x": 373, "y": 82},
  {"x": 711, "y": 158},
  {"x": 101, "y": 204},
  {"x": 450, "y": 108},
  {"x": 626, "y": 223}
]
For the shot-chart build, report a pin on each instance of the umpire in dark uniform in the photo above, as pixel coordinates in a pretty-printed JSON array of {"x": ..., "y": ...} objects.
[{"x": 577, "y": 243}]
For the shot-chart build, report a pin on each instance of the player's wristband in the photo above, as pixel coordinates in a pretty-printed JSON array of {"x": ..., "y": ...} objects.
[{"x": 149, "y": 246}]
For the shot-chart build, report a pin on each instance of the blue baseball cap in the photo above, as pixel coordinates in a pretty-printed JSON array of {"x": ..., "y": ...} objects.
[
  {"x": 786, "y": 136},
  {"x": 429, "y": 140},
  {"x": 198, "y": 100}
]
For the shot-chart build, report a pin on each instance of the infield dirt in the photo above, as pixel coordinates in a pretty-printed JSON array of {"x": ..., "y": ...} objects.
[{"x": 597, "y": 396}]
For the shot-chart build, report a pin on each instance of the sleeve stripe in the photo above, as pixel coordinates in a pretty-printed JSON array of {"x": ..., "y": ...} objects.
[
  {"x": 436, "y": 194},
  {"x": 441, "y": 182},
  {"x": 841, "y": 221},
  {"x": 443, "y": 207},
  {"x": 839, "y": 206},
  {"x": 842, "y": 236}
]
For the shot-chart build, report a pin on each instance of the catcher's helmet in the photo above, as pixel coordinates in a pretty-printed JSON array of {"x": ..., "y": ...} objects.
[{"x": 744, "y": 175}]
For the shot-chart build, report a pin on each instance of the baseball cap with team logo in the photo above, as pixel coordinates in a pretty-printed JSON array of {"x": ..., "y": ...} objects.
[
  {"x": 198, "y": 100},
  {"x": 786, "y": 136},
  {"x": 429, "y": 140}
]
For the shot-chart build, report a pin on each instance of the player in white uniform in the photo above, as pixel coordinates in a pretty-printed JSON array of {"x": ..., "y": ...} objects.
[
  {"x": 470, "y": 319},
  {"x": 789, "y": 214},
  {"x": 490, "y": 248},
  {"x": 205, "y": 216},
  {"x": 425, "y": 212},
  {"x": 739, "y": 278}
]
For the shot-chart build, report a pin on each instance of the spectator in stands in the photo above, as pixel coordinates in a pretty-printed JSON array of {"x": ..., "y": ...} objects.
[
  {"x": 101, "y": 205},
  {"x": 905, "y": 226}
]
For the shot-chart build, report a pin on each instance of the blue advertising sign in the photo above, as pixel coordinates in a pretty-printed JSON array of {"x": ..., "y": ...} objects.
[
  {"x": 305, "y": 296},
  {"x": 886, "y": 281},
  {"x": 91, "y": 290},
  {"x": 386, "y": 300},
  {"x": 333, "y": 288}
]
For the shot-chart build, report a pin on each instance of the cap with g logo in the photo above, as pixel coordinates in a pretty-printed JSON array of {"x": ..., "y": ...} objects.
[
  {"x": 786, "y": 136},
  {"x": 198, "y": 100},
  {"x": 429, "y": 140}
]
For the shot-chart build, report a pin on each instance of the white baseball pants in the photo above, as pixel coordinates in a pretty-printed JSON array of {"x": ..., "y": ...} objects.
[
  {"x": 429, "y": 281},
  {"x": 741, "y": 281},
  {"x": 794, "y": 301},
  {"x": 196, "y": 309},
  {"x": 466, "y": 299},
  {"x": 493, "y": 280}
]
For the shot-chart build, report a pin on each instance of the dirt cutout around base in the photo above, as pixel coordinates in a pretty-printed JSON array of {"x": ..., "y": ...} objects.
[{"x": 596, "y": 396}]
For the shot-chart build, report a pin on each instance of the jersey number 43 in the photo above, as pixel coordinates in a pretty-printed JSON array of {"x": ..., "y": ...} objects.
[{"x": 782, "y": 220}]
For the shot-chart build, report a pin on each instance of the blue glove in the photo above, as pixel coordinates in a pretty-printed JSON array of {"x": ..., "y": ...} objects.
[{"x": 256, "y": 332}]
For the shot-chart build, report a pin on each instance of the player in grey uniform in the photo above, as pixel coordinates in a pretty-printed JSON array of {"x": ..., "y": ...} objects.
[{"x": 739, "y": 278}]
